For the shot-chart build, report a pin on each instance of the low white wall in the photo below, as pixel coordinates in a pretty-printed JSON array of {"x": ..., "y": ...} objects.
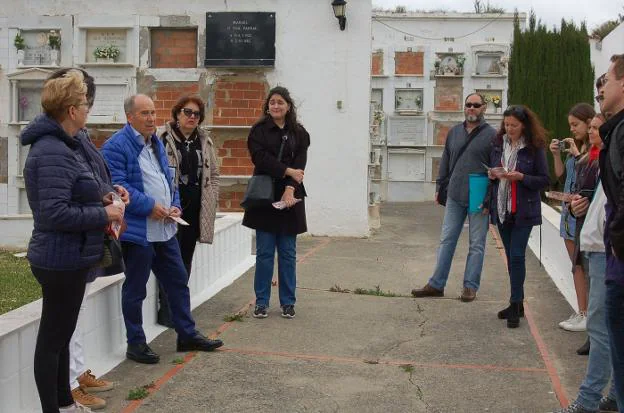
[
  {"x": 214, "y": 267},
  {"x": 15, "y": 230},
  {"x": 548, "y": 246}
]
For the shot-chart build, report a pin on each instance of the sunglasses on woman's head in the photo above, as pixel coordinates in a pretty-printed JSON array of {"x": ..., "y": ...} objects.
[
  {"x": 473, "y": 105},
  {"x": 190, "y": 112},
  {"x": 516, "y": 111}
]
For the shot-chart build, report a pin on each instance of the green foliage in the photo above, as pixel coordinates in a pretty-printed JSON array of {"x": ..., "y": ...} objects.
[
  {"x": 377, "y": 291},
  {"x": 19, "y": 42},
  {"x": 234, "y": 317},
  {"x": 178, "y": 360},
  {"x": 485, "y": 7},
  {"x": 137, "y": 393},
  {"x": 601, "y": 31},
  {"x": 107, "y": 52},
  {"x": 17, "y": 284},
  {"x": 550, "y": 71},
  {"x": 54, "y": 40}
]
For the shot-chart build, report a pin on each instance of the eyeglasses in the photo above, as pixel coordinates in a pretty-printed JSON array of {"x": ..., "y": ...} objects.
[
  {"x": 86, "y": 104},
  {"x": 191, "y": 113},
  {"x": 473, "y": 105},
  {"x": 599, "y": 98}
]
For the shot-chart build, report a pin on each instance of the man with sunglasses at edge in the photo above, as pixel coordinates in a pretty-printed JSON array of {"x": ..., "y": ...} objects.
[
  {"x": 138, "y": 162},
  {"x": 466, "y": 151}
]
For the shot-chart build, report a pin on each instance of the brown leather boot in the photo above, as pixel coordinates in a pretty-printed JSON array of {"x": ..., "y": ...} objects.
[
  {"x": 468, "y": 295},
  {"x": 427, "y": 291}
]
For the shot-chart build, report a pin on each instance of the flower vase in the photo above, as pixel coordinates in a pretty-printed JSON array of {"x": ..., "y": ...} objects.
[
  {"x": 54, "y": 55},
  {"x": 20, "y": 58},
  {"x": 104, "y": 60}
]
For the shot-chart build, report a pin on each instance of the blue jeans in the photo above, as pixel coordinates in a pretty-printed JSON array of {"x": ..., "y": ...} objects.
[
  {"x": 165, "y": 260},
  {"x": 266, "y": 243},
  {"x": 515, "y": 240},
  {"x": 454, "y": 217},
  {"x": 599, "y": 362},
  {"x": 615, "y": 324}
]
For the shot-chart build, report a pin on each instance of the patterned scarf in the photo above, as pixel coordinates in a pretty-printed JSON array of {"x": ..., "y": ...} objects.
[{"x": 509, "y": 158}]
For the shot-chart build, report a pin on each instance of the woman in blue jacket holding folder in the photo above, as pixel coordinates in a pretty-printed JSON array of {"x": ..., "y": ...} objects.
[{"x": 519, "y": 171}]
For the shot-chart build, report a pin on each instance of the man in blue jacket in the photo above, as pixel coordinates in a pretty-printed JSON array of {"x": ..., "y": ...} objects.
[{"x": 137, "y": 161}]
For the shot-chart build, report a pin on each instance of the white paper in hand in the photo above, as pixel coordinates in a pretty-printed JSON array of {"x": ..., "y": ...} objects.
[{"x": 179, "y": 220}]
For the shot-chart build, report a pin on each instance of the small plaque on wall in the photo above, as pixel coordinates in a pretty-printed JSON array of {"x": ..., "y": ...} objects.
[{"x": 240, "y": 39}]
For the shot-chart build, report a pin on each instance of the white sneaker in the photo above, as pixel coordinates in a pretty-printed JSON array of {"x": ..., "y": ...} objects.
[
  {"x": 567, "y": 320},
  {"x": 576, "y": 323},
  {"x": 75, "y": 408}
]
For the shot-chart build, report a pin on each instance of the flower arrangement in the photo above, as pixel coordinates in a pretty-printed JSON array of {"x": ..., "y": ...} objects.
[
  {"x": 19, "y": 42},
  {"x": 378, "y": 117},
  {"x": 107, "y": 52},
  {"x": 23, "y": 102},
  {"x": 497, "y": 101},
  {"x": 54, "y": 40},
  {"x": 503, "y": 62},
  {"x": 418, "y": 102},
  {"x": 461, "y": 59}
]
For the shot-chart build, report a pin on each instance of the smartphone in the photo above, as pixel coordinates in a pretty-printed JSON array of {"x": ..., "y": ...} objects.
[{"x": 587, "y": 193}]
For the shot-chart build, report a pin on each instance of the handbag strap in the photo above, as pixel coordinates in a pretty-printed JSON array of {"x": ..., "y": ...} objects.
[
  {"x": 281, "y": 151},
  {"x": 470, "y": 138}
]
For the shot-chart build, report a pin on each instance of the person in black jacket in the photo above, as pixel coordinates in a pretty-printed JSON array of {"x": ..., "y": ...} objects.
[
  {"x": 278, "y": 228},
  {"x": 66, "y": 199},
  {"x": 612, "y": 178},
  {"x": 514, "y": 197}
]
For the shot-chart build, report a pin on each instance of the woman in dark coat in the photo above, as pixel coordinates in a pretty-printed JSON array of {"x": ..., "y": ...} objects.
[
  {"x": 278, "y": 228},
  {"x": 66, "y": 199},
  {"x": 515, "y": 203}
]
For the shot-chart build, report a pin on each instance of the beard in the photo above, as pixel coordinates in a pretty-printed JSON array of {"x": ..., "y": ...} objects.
[{"x": 474, "y": 118}]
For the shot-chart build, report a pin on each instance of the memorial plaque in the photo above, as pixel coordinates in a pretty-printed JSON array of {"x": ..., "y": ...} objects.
[
  {"x": 28, "y": 103},
  {"x": 406, "y": 131},
  {"x": 37, "y": 52},
  {"x": 109, "y": 103},
  {"x": 240, "y": 39},
  {"x": 104, "y": 38}
]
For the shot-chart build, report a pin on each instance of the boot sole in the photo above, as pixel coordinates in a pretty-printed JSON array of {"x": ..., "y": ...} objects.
[
  {"x": 100, "y": 389},
  {"x": 182, "y": 349},
  {"x": 143, "y": 361}
]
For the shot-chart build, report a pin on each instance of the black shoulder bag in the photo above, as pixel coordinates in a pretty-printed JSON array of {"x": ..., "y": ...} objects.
[
  {"x": 260, "y": 188},
  {"x": 443, "y": 190}
]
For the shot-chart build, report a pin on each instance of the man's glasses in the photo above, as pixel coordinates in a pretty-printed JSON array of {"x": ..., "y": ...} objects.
[
  {"x": 599, "y": 98},
  {"x": 191, "y": 113},
  {"x": 473, "y": 105}
]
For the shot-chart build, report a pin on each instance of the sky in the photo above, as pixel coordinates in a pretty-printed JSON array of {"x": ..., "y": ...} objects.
[{"x": 594, "y": 12}]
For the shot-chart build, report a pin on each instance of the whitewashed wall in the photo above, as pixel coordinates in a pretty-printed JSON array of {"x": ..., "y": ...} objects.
[
  {"x": 320, "y": 64},
  {"x": 601, "y": 52},
  {"x": 214, "y": 267}
]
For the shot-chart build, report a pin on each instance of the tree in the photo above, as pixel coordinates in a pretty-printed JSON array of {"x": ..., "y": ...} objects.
[
  {"x": 601, "y": 31},
  {"x": 550, "y": 71},
  {"x": 481, "y": 7}
]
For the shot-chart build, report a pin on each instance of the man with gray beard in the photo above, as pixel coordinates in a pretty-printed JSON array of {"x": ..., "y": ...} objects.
[{"x": 467, "y": 149}]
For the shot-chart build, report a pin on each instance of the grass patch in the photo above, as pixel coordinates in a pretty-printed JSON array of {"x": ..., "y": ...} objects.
[
  {"x": 177, "y": 360},
  {"x": 337, "y": 289},
  {"x": 234, "y": 317},
  {"x": 377, "y": 291},
  {"x": 17, "y": 284},
  {"x": 138, "y": 393}
]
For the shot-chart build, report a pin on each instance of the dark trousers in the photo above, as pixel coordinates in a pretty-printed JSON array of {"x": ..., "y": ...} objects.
[
  {"x": 164, "y": 259},
  {"x": 187, "y": 239},
  {"x": 515, "y": 240},
  {"x": 615, "y": 325},
  {"x": 62, "y": 293}
]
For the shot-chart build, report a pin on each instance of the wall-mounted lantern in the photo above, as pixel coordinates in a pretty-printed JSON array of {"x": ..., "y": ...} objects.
[{"x": 340, "y": 9}]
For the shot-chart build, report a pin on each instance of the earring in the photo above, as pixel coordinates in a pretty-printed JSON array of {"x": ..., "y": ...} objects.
[{"x": 268, "y": 112}]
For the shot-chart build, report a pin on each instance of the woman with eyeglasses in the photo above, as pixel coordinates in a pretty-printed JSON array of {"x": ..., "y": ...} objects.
[
  {"x": 193, "y": 162},
  {"x": 66, "y": 196},
  {"x": 514, "y": 195},
  {"x": 576, "y": 147}
]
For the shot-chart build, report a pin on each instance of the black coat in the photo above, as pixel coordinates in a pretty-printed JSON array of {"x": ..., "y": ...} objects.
[
  {"x": 264, "y": 143},
  {"x": 533, "y": 164}
]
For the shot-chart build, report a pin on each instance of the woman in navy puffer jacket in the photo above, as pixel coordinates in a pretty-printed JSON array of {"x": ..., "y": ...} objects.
[{"x": 65, "y": 195}]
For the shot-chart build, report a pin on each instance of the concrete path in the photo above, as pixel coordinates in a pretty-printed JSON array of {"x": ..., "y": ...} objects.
[{"x": 361, "y": 353}]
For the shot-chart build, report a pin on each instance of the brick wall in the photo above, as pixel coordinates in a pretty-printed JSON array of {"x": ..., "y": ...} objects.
[
  {"x": 377, "y": 64},
  {"x": 230, "y": 198},
  {"x": 238, "y": 103},
  {"x": 448, "y": 95},
  {"x": 99, "y": 136},
  {"x": 165, "y": 96},
  {"x": 173, "y": 48},
  {"x": 234, "y": 157},
  {"x": 408, "y": 63},
  {"x": 440, "y": 132}
]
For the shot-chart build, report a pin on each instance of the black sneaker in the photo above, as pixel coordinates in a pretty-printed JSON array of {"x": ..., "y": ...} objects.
[
  {"x": 574, "y": 407},
  {"x": 288, "y": 311},
  {"x": 607, "y": 405},
  {"x": 260, "y": 312}
]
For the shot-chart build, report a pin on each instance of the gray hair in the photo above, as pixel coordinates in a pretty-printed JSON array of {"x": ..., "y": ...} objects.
[{"x": 129, "y": 104}]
